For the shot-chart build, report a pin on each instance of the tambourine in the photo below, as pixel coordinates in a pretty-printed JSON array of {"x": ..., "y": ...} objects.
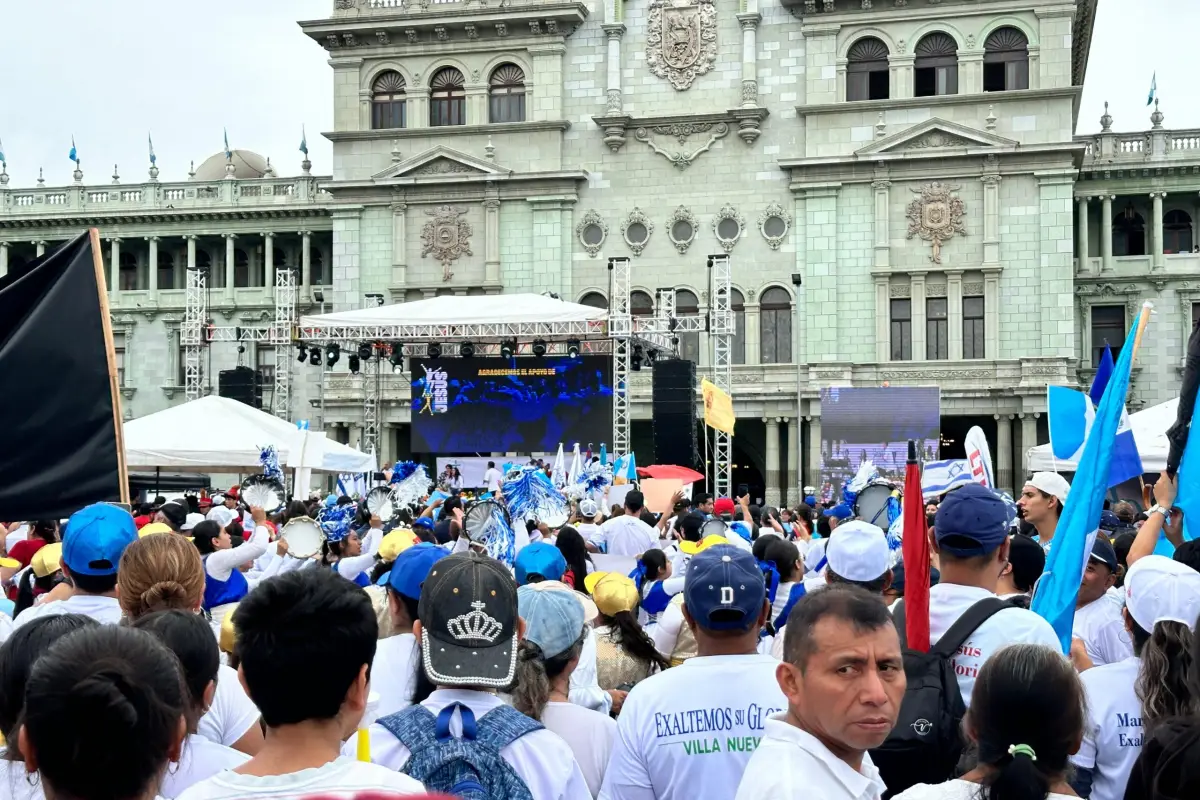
[
  {"x": 303, "y": 536},
  {"x": 482, "y": 517},
  {"x": 872, "y": 502},
  {"x": 381, "y": 503},
  {"x": 259, "y": 491}
]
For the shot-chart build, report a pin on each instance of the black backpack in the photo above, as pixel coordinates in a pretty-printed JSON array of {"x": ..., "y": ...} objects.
[{"x": 926, "y": 742}]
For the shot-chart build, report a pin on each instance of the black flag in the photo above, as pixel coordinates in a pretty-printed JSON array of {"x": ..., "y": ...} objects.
[{"x": 60, "y": 418}]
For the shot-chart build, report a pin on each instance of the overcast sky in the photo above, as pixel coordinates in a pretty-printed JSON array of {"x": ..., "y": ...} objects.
[{"x": 111, "y": 72}]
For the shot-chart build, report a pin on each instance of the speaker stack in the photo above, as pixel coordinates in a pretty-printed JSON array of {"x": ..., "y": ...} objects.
[
  {"x": 674, "y": 402},
  {"x": 242, "y": 384}
]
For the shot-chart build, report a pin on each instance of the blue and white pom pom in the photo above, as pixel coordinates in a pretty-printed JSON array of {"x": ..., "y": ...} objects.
[
  {"x": 529, "y": 494},
  {"x": 499, "y": 538},
  {"x": 593, "y": 478},
  {"x": 336, "y": 521},
  {"x": 270, "y": 463},
  {"x": 410, "y": 483}
]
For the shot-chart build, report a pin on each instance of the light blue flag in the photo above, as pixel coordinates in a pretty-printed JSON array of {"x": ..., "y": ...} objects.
[
  {"x": 1071, "y": 416},
  {"x": 1054, "y": 597},
  {"x": 939, "y": 477},
  {"x": 1187, "y": 498},
  {"x": 228, "y": 152},
  {"x": 1153, "y": 89},
  {"x": 3, "y": 160},
  {"x": 631, "y": 468},
  {"x": 74, "y": 154},
  {"x": 153, "y": 158},
  {"x": 604, "y": 454},
  {"x": 303, "y": 142}
]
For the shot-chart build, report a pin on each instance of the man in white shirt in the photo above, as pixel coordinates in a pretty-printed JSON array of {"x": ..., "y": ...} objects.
[
  {"x": 492, "y": 478},
  {"x": 688, "y": 732},
  {"x": 627, "y": 535},
  {"x": 1041, "y": 503},
  {"x": 1026, "y": 562},
  {"x": 1098, "y": 620},
  {"x": 93, "y": 541},
  {"x": 843, "y": 675}
]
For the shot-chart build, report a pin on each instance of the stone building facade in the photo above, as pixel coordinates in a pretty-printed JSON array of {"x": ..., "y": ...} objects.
[{"x": 897, "y": 183}]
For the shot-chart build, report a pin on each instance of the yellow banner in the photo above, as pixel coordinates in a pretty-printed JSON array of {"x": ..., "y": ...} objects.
[{"x": 718, "y": 407}]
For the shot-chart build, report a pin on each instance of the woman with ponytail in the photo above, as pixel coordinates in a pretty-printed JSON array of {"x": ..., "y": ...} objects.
[
  {"x": 1128, "y": 701},
  {"x": 625, "y": 654},
  {"x": 1026, "y": 719},
  {"x": 546, "y": 657},
  {"x": 655, "y": 586}
]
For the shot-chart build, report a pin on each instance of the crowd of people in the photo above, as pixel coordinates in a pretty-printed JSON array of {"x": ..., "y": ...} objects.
[{"x": 751, "y": 654}]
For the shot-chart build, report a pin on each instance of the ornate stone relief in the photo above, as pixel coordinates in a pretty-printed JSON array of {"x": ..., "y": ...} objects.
[
  {"x": 443, "y": 166},
  {"x": 637, "y": 229},
  {"x": 973, "y": 289},
  {"x": 936, "y": 216},
  {"x": 592, "y": 232},
  {"x": 936, "y": 139},
  {"x": 935, "y": 290},
  {"x": 681, "y": 229},
  {"x": 728, "y": 226},
  {"x": 900, "y": 290},
  {"x": 681, "y": 39},
  {"x": 774, "y": 224},
  {"x": 446, "y": 237},
  {"x": 681, "y": 131}
]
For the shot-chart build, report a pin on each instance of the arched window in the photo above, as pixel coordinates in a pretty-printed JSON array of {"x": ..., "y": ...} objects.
[
  {"x": 688, "y": 305},
  {"x": 166, "y": 270},
  {"x": 1177, "y": 232},
  {"x": 128, "y": 272},
  {"x": 1005, "y": 61},
  {"x": 506, "y": 94},
  {"x": 388, "y": 101},
  {"x": 595, "y": 300},
  {"x": 278, "y": 256},
  {"x": 641, "y": 304},
  {"x": 867, "y": 75},
  {"x": 241, "y": 268},
  {"x": 775, "y": 326},
  {"x": 935, "y": 69},
  {"x": 316, "y": 269},
  {"x": 1129, "y": 233},
  {"x": 447, "y": 98},
  {"x": 737, "y": 304}
]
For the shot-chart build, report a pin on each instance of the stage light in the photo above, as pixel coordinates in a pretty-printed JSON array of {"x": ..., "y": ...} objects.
[
  {"x": 301, "y": 352},
  {"x": 433, "y": 350},
  {"x": 314, "y": 356},
  {"x": 466, "y": 350},
  {"x": 573, "y": 348},
  {"x": 332, "y": 353},
  {"x": 364, "y": 351},
  {"x": 508, "y": 349},
  {"x": 396, "y": 359},
  {"x": 353, "y": 361},
  {"x": 635, "y": 360},
  {"x": 539, "y": 347}
]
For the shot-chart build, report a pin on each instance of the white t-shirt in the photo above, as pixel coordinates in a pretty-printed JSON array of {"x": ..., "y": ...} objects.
[
  {"x": 343, "y": 777},
  {"x": 790, "y": 763},
  {"x": 1112, "y": 739},
  {"x": 106, "y": 610},
  {"x": 232, "y": 712},
  {"x": 7, "y": 626},
  {"x": 949, "y": 601},
  {"x": 542, "y": 759},
  {"x": 14, "y": 781},
  {"x": 689, "y": 731},
  {"x": 782, "y": 594},
  {"x": 1101, "y": 627},
  {"x": 492, "y": 479},
  {"x": 393, "y": 673},
  {"x": 588, "y": 733},
  {"x": 626, "y": 536},
  {"x": 956, "y": 790},
  {"x": 587, "y": 530},
  {"x": 200, "y": 760}
]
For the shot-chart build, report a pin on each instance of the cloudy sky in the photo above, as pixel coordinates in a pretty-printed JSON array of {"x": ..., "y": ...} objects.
[{"x": 111, "y": 72}]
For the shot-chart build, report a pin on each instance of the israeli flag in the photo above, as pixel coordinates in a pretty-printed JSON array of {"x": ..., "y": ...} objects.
[
  {"x": 352, "y": 484},
  {"x": 939, "y": 477},
  {"x": 1071, "y": 416}
]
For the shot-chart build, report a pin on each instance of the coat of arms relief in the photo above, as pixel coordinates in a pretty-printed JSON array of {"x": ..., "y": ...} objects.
[
  {"x": 936, "y": 216},
  {"x": 681, "y": 39},
  {"x": 446, "y": 237}
]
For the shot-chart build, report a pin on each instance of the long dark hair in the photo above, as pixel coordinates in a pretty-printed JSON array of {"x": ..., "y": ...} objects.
[
  {"x": 1165, "y": 673},
  {"x": 29, "y": 582},
  {"x": 46, "y": 530},
  {"x": 633, "y": 639},
  {"x": 531, "y": 684},
  {"x": 570, "y": 543},
  {"x": 422, "y": 686}
]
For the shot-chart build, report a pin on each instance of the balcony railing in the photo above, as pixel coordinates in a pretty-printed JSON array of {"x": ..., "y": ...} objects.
[{"x": 1153, "y": 145}]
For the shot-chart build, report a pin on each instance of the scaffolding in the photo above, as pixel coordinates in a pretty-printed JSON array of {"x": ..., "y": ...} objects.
[
  {"x": 281, "y": 338},
  {"x": 720, "y": 318},
  {"x": 620, "y": 328},
  {"x": 191, "y": 332}
]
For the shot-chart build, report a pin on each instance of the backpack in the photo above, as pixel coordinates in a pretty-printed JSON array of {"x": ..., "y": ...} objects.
[
  {"x": 926, "y": 742},
  {"x": 470, "y": 767}
]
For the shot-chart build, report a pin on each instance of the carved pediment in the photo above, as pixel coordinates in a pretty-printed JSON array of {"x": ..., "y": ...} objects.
[
  {"x": 440, "y": 162},
  {"x": 932, "y": 137}
]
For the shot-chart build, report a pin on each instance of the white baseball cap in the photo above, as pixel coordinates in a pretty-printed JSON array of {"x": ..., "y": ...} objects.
[
  {"x": 191, "y": 522},
  {"x": 1160, "y": 589},
  {"x": 858, "y": 551},
  {"x": 587, "y": 508},
  {"x": 1051, "y": 483}
]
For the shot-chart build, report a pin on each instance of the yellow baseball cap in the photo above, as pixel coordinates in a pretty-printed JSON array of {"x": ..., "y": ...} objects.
[
  {"x": 691, "y": 548},
  {"x": 153, "y": 528},
  {"x": 612, "y": 592},
  {"x": 395, "y": 543},
  {"x": 228, "y": 633},
  {"x": 47, "y": 560},
  {"x": 10, "y": 563}
]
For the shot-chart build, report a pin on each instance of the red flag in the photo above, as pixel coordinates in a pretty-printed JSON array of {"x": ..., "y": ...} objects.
[{"x": 916, "y": 557}]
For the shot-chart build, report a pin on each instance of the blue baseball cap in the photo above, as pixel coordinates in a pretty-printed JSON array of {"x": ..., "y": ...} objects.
[
  {"x": 542, "y": 559},
  {"x": 95, "y": 538},
  {"x": 971, "y": 521},
  {"x": 1109, "y": 521},
  {"x": 411, "y": 567},
  {"x": 840, "y": 511},
  {"x": 724, "y": 590},
  {"x": 423, "y": 522},
  {"x": 553, "y": 618}
]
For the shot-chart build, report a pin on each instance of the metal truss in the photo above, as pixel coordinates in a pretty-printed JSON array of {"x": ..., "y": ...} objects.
[
  {"x": 191, "y": 332},
  {"x": 212, "y": 333},
  {"x": 281, "y": 338},
  {"x": 371, "y": 379},
  {"x": 492, "y": 349},
  {"x": 592, "y": 329},
  {"x": 620, "y": 328},
  {"x": 664, "y": 308},
  {"x": 721, "y": 328}
]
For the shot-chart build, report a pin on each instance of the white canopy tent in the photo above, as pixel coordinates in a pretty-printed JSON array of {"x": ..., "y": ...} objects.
[
  {"x": 1149, "y": 431},
  {"x": 455, "y": 311},
  {"x": 215, "y": 433}
]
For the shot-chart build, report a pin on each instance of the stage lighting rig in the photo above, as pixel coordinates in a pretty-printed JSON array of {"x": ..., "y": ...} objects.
[
  {"x": 301, "y": 352},
  {"x": 635, "y": 360},
  {"x": 353, "y": 361},
  {"x": 332, "y": 353},
  {"x": 466, "y": 350},
  {"x": 396, "y": 359},
  {"x": 539, "y": 347},
  {"x": 573, "y": 348},
  {"x": 314, "y": 356},
  {"x": 508, "y": 348},
  {"x": 364, "y": 351},
  {"x": 433, "y": 350}
]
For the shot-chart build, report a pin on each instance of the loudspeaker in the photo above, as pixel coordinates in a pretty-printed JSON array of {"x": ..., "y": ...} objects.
[
  {"x": 674, "y": 408},
  {"x": 242, "y": 384}
]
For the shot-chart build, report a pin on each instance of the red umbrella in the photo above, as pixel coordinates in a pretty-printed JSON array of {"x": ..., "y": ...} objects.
[{"x": 670, "y": 471}]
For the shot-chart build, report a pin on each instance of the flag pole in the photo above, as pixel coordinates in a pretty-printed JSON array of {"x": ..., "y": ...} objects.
[{"x": 111, "y": 355}]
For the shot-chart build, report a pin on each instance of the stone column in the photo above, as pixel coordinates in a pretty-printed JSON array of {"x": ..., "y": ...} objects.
[
  {"x": 115, "y": 263},
  {"x": 1106, "y": 233},
  {"x": 269, "y": 260},
  {"x": 229, "y": 258},
  {"x": 771, "y": 491},
  {"x": 1028, "y": 437},
  {"x": 614, "y": 32},
  {"x": 991, "y": 218},
  {"x": 3, "y": 259},
  {"x": 1081, "y": 251},
  {"x": 918, "y": 317},
  {"x": 41, "y": 247},
  {"x": 954, "y": 307},
  {"x": 153, "y": 265},
  {"x": 1004, "y": 476},
  {"x": 882, "y": 235},
  {"x": 1157, "y": 253},
  {"x": 752, "y": 331},
  {"x": 191, "y": 253},
  {"x": 491, "y": 239},
  {"x": 399, "y": 259},
  {"x": 882, "y": 312},
  {"x": 305, "y": 256},
  {"x": 792, "y": 461},
  {"x": 749, "y": 22}
]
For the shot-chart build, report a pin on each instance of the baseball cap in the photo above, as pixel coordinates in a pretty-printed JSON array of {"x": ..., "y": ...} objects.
[
  {"x": 468, "y": 613},
  {"x": 612, "y": 592},
  {"x": 1028, "y": 561},
  {"x": 158, "y": 527},
  {"x": 396, "y": 542},
  {"x": 722, "y": 505},
  {"x": 898, "y": 577},
  {"x": 411, "y": 568},
  {"x": 1103, "y": 552},
  {"x": 95, "y": 538},
  {"x": 1109, "y": 521},
  {"x": 692, "y": 548},
  {"x": 724, "y": 589},
  {"x": 422, "y": 522},
  {"x": 858, "y": 551},
  {"x": 971, "y": 521},
  {"x": 1160, "y": 589},
  {"x": 46, "y": 560},
  {"x": 190, "y": 521},
  {"x": 232, "y": 493},
  {"x": 588, "y": 508},
  {"x": 539, "y": 558},
  {"x": 176, "y": 513},
  {"x": 553, "y": 620},
  {"x": 840, "y": 511},
  {"x": 589, "y": 608},
  {"x": 1051, "y": 483}
]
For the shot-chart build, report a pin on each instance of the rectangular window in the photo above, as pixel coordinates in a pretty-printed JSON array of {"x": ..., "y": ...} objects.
[
  {"x": 937, "y": 329},
  {"x": 973, "y": 327},
  {"x": 448, "y": 111},
  {"x": 868, "y": 85},
  {"x": 180, "y": 358},
  {"x": 901, "y": 314},
  {"x": 507, "y": 107},
  {"x": 737, "y": 348},
  {"x": 1005, "y": 76},
  {"x": 119, "y": 350},
  {"x": 265, "y": 363},
  {"x": 1195, "y": 314},
  {"x": 1108, "y": 328},
  {"x": 391, "y": 114},
  {"x": 930, "y": 81}
]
